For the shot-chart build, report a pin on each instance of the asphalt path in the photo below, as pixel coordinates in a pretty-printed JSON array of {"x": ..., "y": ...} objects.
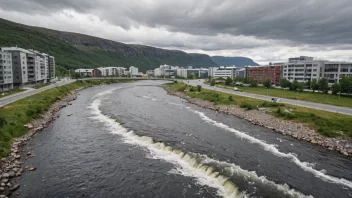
[
  {"x": 12, "y": 98},
  {"x": 312, "y": 105}
]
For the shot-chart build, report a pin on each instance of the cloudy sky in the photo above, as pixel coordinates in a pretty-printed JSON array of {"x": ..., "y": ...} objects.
[{"x": 264, "y": 30}]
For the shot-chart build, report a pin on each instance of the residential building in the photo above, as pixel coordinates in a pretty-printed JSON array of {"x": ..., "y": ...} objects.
[
  {"x": 85, "y": 72},
  {"x": 96, "y": 73},
  {"x": 133, "y": 71},
  {"x": 262, "y": 73},
  {"x": 121, "y": 71},
  {"x": 52, "y": 67},
  {"x": 149, "y": 72},
  {"x": 222, "y": 71},
  {"x": 19, "y": 65},
  {"x": 6, "y": 73}
]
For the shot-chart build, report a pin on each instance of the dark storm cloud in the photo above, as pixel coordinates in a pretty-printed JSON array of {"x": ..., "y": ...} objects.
[{"x": 299, "y": 21}]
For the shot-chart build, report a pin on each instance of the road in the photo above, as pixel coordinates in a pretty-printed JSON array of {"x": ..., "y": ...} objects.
[
  {"x": 12, "y": 98},
  {"x": 312, "y": 105}
]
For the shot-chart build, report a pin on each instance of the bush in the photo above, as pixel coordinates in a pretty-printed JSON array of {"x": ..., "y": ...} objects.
[
  {"x": 212, "y": 83},
  {"x": 272, "y": 104},
  {"x": 246, "y": 105},
  {"x": 230, "y": 98},
  {"x": 191, "y": 90},
  {"x": 284, "y": 114}
]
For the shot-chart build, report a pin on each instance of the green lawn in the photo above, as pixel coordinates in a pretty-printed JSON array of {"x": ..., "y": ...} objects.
[
  {"x": 326, "y": 123},
  {"x": 14, "y": 91},
  {"x": 41, "y": 85},
  {"x": 344, "y": 101}
]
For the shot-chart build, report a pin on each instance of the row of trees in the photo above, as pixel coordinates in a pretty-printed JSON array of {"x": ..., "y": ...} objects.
[{"x": 345, "y": 85}]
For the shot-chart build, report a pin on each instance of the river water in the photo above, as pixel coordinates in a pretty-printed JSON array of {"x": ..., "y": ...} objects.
[{"x": 134, "y": 140}]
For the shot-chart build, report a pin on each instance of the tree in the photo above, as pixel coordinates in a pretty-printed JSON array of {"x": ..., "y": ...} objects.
[
  {"x": 314, "y": 85},
  {"x": 228, "y": 81},
  {"x": 323, "y": 85},
  {"x": 336, "y": 88},
  {"x": 209, "y": 78},
  {"x": 346, "y": 85},
  {"x": 300, "y": 86},
  {"x": 253, "y": 83},
  {"x": 284, "y": 83},
  {"x": 267, "y": 83},
  {"x": 212, "y": 83},
  {"x": 77, "y": 75},
  {"x": 294, "y": 85}
]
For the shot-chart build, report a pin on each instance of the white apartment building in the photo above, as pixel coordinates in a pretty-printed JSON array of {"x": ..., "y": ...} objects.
[
  {"x": 222, "y": 71},
  {"x": 19, "y": 65},
  {"x": 157, "y": 72},
  {"x": 133, "y": 71},
  {"x": 84, "y": 72},
  {"x": 6, "y": 79},
  {"x": 121, "y": 71},
  {"x": 304, "y": 69}
]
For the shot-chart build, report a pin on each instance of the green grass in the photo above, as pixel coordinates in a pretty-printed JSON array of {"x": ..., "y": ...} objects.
[
  {"x": 13, "y": 91},
  {"x": 14, "y": 116},
  {"x": 326, "y": 123},
  {"x": 344, "y": 101},
  {"x": 41, "y": 85}
]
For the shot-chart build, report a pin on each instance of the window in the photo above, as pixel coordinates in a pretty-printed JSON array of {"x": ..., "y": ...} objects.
[{"x": 331, "y": 68}]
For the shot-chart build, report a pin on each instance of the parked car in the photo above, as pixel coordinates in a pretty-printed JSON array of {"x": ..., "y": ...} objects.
[{"x": 235, "y": 89}]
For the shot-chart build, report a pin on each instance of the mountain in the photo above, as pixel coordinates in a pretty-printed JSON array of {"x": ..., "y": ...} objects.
[
  {"x": 237, "y": 61},
  {"x": 73, "y": 50}
]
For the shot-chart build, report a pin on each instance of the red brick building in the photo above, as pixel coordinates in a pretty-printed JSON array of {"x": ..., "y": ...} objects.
[{"x": 262, "y": 73}]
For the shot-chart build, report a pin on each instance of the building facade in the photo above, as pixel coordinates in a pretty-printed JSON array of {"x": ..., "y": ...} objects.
[
  {"x": 262, "y": 73},
  {"x": 133, "y": 71},
  {"x": 6, "y": 73},
  {"x": 222, "y": 72},
  {"x": 84, "y": 72},
  {"x": 199, "y": 73}
]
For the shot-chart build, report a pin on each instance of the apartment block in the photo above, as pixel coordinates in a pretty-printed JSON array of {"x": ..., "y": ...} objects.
[
  {"x": 262, "y": 73},
  {"x": 133, "y": 71},
  {"x": 222, "y": 71},
  {"x": 51, "y": 67},
  {"x": 6, "y": 79},
  {"x": 19, "y": 65}
]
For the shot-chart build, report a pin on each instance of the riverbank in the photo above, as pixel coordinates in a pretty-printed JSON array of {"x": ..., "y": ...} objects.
[
  {"x": 262, "y": 117},
  {"x": 22, "y": 119}
]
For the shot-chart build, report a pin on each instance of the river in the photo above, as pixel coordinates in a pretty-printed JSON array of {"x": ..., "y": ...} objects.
[{"x": 134, "y": 140}]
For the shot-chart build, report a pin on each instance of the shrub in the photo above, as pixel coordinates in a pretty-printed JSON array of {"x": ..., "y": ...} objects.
[
  {"x": 246, "y": 105},
  {"x": 230, "y": 98}
]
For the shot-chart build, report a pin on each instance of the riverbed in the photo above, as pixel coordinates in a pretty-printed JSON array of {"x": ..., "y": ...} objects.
[{"x": 134, "y": 140}]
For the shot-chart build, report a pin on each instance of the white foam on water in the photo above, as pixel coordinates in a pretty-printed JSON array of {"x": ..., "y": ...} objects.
[
  {"x": 187, "y": 164},
  {"x": 110, "y": 91},
  {"x": 308, "y": 167}
]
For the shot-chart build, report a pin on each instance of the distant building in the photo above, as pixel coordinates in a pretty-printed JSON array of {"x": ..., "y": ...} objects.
[
  {"x": 133, "y": 71},
  {"x": 305, "y": 69},
  {"x": 6, "y": 73},
  {"x": 149, "y": 72},
  {"x": 222, "y": 71},
  {"x": 157, "y": 72},
  {"x": 85, "y": 72},
  {"x": 199, "y": 73},
  {"x": 262, "y": 73}
]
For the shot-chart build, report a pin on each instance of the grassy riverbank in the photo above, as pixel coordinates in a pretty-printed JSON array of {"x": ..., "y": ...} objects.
[
  {"x": 41, "y": 85},
  {"x": 326, "y": 123},
  {"x": 14, "y": 116},
  {"x": 343, "y": 101}
]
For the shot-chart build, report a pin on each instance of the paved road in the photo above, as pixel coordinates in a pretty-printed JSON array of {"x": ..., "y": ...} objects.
[
  {"x": 319, "y": 106},
  {"x": 12, "y": 98}
]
